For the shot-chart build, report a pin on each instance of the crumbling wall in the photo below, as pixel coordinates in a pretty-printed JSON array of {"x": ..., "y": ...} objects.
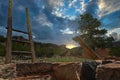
[
  {"x": 69, "y": 71},
  {"x": 110, "y": 71},
  {"x": 88, "y": 70}
]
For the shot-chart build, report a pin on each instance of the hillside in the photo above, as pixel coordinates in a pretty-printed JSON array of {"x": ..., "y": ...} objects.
[{"x": 41, "y": 49}]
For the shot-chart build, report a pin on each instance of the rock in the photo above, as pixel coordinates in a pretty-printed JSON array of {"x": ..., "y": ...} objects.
[
  {"x": 69, "y": 71},
  {"x": 88, "y": 70},
  {"x": 107, "y": 61},
  {"x": 30, "y": 69},
  {"x": 7, "y": 71},
  {"x": 110, "y": 71}
]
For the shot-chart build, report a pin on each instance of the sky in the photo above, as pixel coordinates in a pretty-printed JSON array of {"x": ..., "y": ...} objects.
[{"x": 55, "y": 21}]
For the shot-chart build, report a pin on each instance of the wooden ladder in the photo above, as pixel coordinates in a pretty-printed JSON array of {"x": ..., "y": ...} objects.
[{"x": 9, "y": 51}]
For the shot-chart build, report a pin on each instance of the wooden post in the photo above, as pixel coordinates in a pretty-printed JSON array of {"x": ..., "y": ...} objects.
[
  {"x": 9, "y": 34},
  {"x": 30, "y": 36},
  {"x": 87, "y": 49}
]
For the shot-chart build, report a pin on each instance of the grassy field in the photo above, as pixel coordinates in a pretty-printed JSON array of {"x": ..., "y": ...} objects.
[
  {"x": 64, "y": 59},
  {"x": 52, "y": 59}
]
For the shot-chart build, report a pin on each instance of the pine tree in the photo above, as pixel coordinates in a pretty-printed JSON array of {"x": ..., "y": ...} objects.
[{"x": 90, "y": 32}]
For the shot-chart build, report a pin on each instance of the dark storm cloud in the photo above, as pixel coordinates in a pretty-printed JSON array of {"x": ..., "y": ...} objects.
[
  {"x": 3, "y": 12},
  {"x": 44, "y": 33},
  {"x": 18, "y": 14},
  {"x": 92, "y": 8},
  {"x": 19, "y": 21}
]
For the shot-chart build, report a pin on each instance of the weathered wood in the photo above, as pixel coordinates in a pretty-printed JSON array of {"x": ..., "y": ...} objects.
[
  {"x": 87, "y": 49},
  {"x": 9, "y": 51},
  {"x": 18, "y": 31},
  {"x": 30, "y": 35},
  {"x": 9, "y": 34},
  {"x": 24, "y": 52}
]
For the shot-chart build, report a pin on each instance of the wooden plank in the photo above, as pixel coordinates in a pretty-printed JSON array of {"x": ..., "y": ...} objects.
[
  {"x": 87, "y": 49},
  {"x": 24, "y": 52},
  {"x": 19, "y": 31}
]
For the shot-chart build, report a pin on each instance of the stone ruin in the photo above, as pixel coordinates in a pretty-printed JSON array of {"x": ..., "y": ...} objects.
[{"x": 88, "y": 70}]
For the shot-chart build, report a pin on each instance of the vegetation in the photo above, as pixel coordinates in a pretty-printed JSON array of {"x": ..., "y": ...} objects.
[
  {"x": 41, "y": 49},
  {"x": 76, "y": 52},
  {"x": 2, "y": 50},
  {"x": 115, "y": 51},
  {"x": 49, "y": 50},
  {"x": 90, "y": 32},
  {"x": 64, "y": 59},
  {"x": 2, "y": 38}
]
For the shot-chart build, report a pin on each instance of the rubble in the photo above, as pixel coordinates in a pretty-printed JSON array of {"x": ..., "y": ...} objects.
[
  {"x": 7, "y": 71},
  {"x": 41, "y": 71}
]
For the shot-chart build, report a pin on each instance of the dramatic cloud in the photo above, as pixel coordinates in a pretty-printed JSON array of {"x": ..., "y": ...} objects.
[
  {"x": 55, "y": 21},
  {"x": 67, "y": 31},
  {"x": 107, "y": 7},
  {"x": 92, "y": 7},
  {"x": 115, "y": 33}
]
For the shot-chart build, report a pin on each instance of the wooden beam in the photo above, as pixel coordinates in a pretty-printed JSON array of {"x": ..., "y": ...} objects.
[
  {"x": 18, "y": 31},
  {"x": 87, "y": 49},
  {"x": 30, "y": 36},
  {"x": 9, "y": 34},
  {"x": 22, "y": 52}
]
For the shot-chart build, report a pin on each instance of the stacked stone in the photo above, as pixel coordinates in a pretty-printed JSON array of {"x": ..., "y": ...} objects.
[
  {"x": 110, "y": 71},
  {"x": 7, "y": 71}
]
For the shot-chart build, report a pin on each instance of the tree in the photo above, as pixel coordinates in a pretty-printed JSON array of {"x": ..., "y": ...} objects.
[
  {"x": 115, "y": 51},
  {"x": 92, "y": 35}
]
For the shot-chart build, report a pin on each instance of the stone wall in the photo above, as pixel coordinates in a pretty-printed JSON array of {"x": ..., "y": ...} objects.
[
  {"x": 110, "y": 71},
  {"x": 88, "y": 70}
]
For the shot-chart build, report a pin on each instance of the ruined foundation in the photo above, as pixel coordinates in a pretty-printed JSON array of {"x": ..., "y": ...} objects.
[{"x": 61, "y": 71}]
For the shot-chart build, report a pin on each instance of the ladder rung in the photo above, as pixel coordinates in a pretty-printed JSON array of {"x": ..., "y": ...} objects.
[
  {"x": 25, "y": 41},
  {"x": 27, "y": 52},
  {"x": 18, "y": 31}
]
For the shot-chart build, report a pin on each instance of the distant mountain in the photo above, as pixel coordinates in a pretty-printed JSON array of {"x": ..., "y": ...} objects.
[{"x": 116, "y": 43}]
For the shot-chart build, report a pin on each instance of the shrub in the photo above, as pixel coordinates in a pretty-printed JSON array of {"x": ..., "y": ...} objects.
[{"x": 115, "y": 51}]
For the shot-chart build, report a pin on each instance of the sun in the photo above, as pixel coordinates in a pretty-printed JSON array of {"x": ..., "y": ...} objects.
[{"x": 70, "y": 46}]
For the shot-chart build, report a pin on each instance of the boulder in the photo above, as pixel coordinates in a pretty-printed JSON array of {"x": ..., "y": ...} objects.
[
  {"x": 88, "y": 70},
  {"x": 67, "y": 71},
  {"x": 110, "y": 71}
]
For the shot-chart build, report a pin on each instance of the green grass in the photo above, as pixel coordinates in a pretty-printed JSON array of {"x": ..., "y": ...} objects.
[
  {"x": 64, "y": 59},
  {"x": 53, "y": 59}
]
